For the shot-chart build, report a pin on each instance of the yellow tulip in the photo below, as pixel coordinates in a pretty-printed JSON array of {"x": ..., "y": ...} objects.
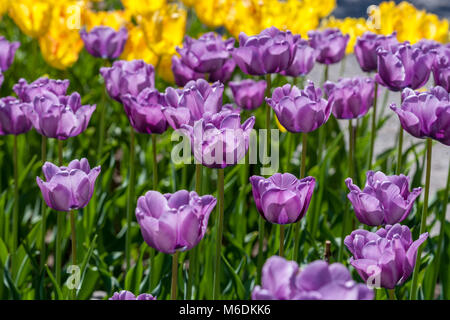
[
  {"x": 114, "y": 19},
  {"x": 31, "y": 16},
  {"x": 140, "y": 7},
  {"x": 136, "y": 47},
  {"x": 212, "y": 13},
  {"x": 4, "y": 5},
  {"x": 188, "y": 3},
  {"x": 164, "y": 68},
  {"x": 354, "y": 27}
]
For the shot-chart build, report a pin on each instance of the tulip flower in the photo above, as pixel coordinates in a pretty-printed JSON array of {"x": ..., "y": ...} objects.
[
  {"x": 223, "y": 74},
  {"x": 28, "y": 91},
  {"x": 31, "y": 16},
  {"x": 350, "y": 98},
  {"x": 196, "y": 100},
  {"x": 426, "y": 114},
  {"x": 127, "y": 295},
  {"x": 384, "y": 199},
  {"x": 145, "y": 111},
  {"x": 104, "y": 42},
  {"x": 387, "y": 256},
  {"x": 13, "y": 116},
  {"x": 300, "y": 110},
  {"x": 271, "y": 51},
  {"x": 441, "y": 67},
  {"x": 282, "y": 198},
  {"x": 60, "y": 117},
  {"x": 248, "y": 94},
  {"x": 283, "y": 280},
  {"x": 304, "y": 60},
  {"x": 173, "y": 222},
  {"x": 182, "y": 73},
  {"x": 128, "y": 77},
  {"x": 330, "y": 43},
  {"x": 207, "y": 53},
  {"x": 7, "y": 52},
  {"x": 402, "y": 66},
  {"x": 68, "y": 188},
  {"x": 366, "y": 49}
]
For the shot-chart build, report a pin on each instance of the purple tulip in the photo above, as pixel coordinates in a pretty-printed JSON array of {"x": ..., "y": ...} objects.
[
  {"x": 196, "y": 100},
  {"x": 128, "y": 77},
  {"x": 60, "y": 117},
  {"x": 387, "y": 256},
  {"x": 219, "y": 140},
  {"x": 427, "y": 45},
  {"x": 182, "y": 73},
  {"x": 7, "y": 52},
  {"x": 104, "y": 42},
  {"x": 68, "y": 188},
  {"x": 282, "y": 198},
  {"x": 330, "y": 43},
  {"x": 223, "y": 74},
  {"x": 441, "y": 67},
  {"x": 127, "y": 295},
  {"x": 207, "y": 53},
  {"x": 426, "y": 114},
  {"x": 28, "y": 91},
  {"x": 366, "y": 48},
  {"x": 271, "y": 51},
  {"x": 300, "y": 110},
  {"x": 283, "y": 280},
  {"x": 304, "y": 60},
  {"x": 248, "y": 94},
  {"x": 145, "y": 111},
  {"x": 401, "y": 66},
  {"x": 350, "y": 98},
  {"x": 384, "y": 199},
  {"x": 13, "y": 116},
  {"x": 173, "y": 222}
]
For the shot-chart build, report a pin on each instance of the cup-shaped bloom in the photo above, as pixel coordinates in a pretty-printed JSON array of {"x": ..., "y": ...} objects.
[
  {"x": 283, "y": 280},
  {"x": 128, "y": 77},
  {"x": 207, "y": 53},
  {"x": 401, "y": 66},
  {"x": 271, "y": 51},
  {"x": 304, "y": 60},
  {"x": 441, "y": 67},
  {"x": 28, "y": 91},
  {"x": 248, "y": 94},
  {"x": 182, "y": 73},
  {"x": 426, "y": 114},
  {"x": 330, "y": 43},
  {"x": 282, "y": 198},
  {"x": 384, "y": 199},
  {"x": 104, "y": 42},
  {"x": 223, "y": 74},
  {"x": 300, "y": 110},
  {"x": 173, "y": 222},
  {"x": 145, "y": 111},
  {"x": 68, "y": 188},
  {"x": 127, "y": 295},
  {"x": 7, "y": 52},
  {"x": 366, "y": 49},
  {"x": 220, "y": 140},
  {"x": 60, "y": 117},
  {"x": 13, "y": 116},
  {"x": 350, "y": 98},
  {"x": 31, "y": 16},
  {"x": 196, "y": 100},
  {"x": 387, "y": 256}
]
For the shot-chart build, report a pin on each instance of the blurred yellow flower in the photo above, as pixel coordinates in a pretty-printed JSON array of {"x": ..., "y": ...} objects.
[
  {"x": 4, "y": 5},
  {"x": 164, "y": 68},
  {"x": 139, "y": 7},
  {"x": 114, "y": 19},
  {"x": 61, "y": 45},
  {"x": 282, "y": 129},
  {"x": 136, "y": 47},
  {"x": 354, "y": 27},
  {"x": 188, "y": 3},
  {"x": 212, "y": 12},
  {"x": 31, "y": 16}
]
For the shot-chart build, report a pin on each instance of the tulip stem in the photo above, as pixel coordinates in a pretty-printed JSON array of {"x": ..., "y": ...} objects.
[
  {"x": 220, "y": 192},
  {"x": 325, "y": 73},
  {"x": 101, "y": 133},
  {"x": 423, "y": 222},
  {"x": 43, "y": 208},
  {"x": 130, "y": 200},
  {"x": 391, "y": 293},
  {"x": 16, "y": 200},
  {"x": 173, "y": 291},
  {"x": 399, "y": 151},
  {"x": 374, "y": 125},
  {"x": 59, "y": 227},
  {"x": 302, "y": 175},
  {"x": 74, "y": 247},
  {"x": 442, "y": 221},
  {"x": 281, "y": 240},
  {"x": 155, "y": 164}
]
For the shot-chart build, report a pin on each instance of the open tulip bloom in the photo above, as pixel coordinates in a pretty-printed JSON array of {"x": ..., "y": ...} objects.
[
  {"x": 387, "y": 256},
  {"x": 248, "y": 94},
  {"x": 282, "y": 198},
  {"x": 441, "y": 67},
  {"x": 104, "y": 42},
  {"x": 330, "y": 43},
  {"x": 283, "y": 280},
  {"x": 127, "y": 295},
  {"x": 7, "y": 52},
  {"x": 384, "y": 199},
  {"x": 28, "y": 91},
  {"x": 13, "y": 116},
  {"x": 366, "y": 49},
  {"x": 304, "y": 60}
]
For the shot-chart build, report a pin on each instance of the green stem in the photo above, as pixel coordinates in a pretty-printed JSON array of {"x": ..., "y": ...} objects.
[
  {"x": 281, "y": 240},
  {"x": 374, "y": 125},
  {"x": 442, "y": 221},
  {"x": 155, "y": 164},
  {"x": 174, "y": 287},
  {"x": 101, "y": 135},
  {"x": 59, "y": 227},
  {"x": 74, "y": 247},
  {"x": 43, "y": 209},
  {"x": 130, "y": 199},
  {"x": 302, "y": 175},
  {"x": 423, "y": 222},
  {"x": 325, "y": 73},
  {"x": 399, "y": 151},
  {"x": 220, "y": 192},
  {"x": 15, "y": 239},
  {"x": 391, "y": 293}
]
